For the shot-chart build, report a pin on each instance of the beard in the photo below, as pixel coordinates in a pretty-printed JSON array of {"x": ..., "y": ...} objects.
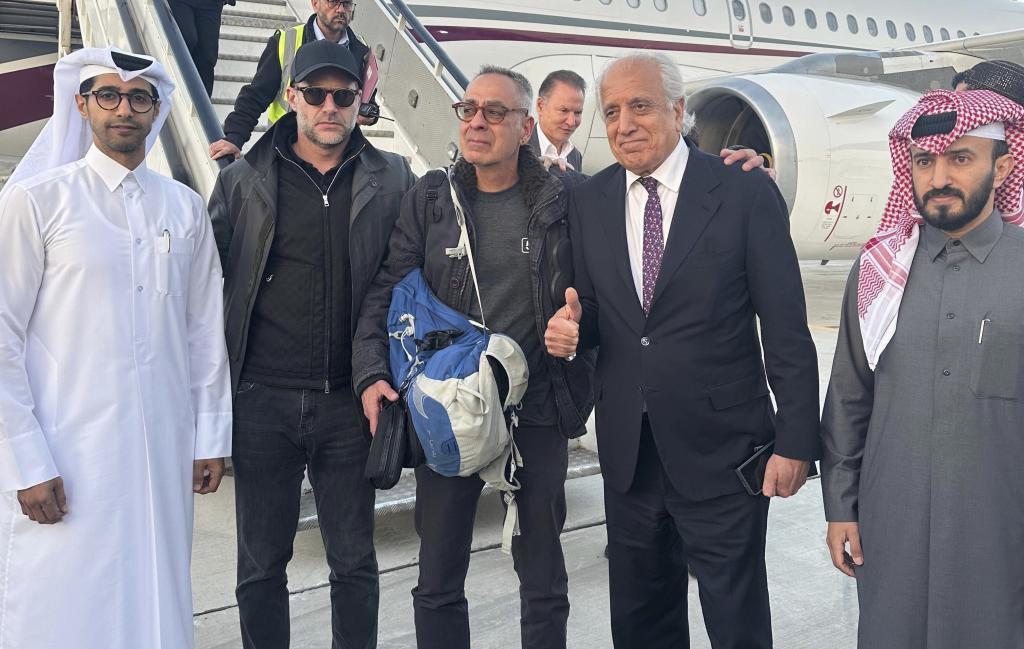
[
  {"x": 325, "y": 140},
  {"x": 945, "y": 217},
  {"x": 128, "y": 143}
]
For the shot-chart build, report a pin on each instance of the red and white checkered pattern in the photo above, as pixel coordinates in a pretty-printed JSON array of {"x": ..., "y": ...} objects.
[{"x": 885, "y": 260}]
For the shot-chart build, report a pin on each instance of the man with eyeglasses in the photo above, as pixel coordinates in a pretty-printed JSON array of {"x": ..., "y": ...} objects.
[
  {"x": 516, "y": 218},
  {"x": 331, "y": 21},
  {"x": 115, "y": 402},
  {"x": 302, "y": 223}
]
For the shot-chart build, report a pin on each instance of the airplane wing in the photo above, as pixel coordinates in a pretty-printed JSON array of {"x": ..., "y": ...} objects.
[{"x": 1008, "y": 46}]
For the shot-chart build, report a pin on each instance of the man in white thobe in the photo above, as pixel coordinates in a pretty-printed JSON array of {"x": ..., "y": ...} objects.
[{"x": 114, "y": 391}]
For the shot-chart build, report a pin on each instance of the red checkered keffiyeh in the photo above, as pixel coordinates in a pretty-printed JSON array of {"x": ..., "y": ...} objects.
[{"x": 885, "y": 260}]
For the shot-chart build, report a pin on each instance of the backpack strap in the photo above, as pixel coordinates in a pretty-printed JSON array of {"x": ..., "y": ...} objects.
[
  {"x": 460, "y": 216},
  {"x": 435, "y": 178}
]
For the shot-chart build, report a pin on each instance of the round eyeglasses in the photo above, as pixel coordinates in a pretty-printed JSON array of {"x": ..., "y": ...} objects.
[
  {"x": 315, "y": 96},
  {"x": 140, "y": 101},
  {"x": 493, "y": 114}
]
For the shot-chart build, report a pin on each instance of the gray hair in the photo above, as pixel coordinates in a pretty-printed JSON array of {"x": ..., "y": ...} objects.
[
  {"x": 524, "y": 91},
  {"x": 671, "y": 80}
]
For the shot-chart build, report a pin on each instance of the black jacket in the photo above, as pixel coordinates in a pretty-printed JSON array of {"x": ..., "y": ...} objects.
[
  {"x": 254, "y": 98},
  {"x": 427, "y": 226},
  {"x": 696, "y": 359},
  {"x": 244, "y": 208}
]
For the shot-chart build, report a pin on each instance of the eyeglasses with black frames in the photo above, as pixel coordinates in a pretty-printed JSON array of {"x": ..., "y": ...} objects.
[
  {"x": 493, "y": 113},
  {"x": 139, "y": 100},
  {"x": 315, "y": 95},
  {"x": 347, "y": 4}
]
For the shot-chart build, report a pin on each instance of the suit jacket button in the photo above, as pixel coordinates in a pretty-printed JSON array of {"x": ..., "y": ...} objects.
[{"x": 645, "y": 341}]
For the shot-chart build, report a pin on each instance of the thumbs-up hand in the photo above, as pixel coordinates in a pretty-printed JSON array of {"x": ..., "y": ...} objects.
[{"x": 563, "y": 332}]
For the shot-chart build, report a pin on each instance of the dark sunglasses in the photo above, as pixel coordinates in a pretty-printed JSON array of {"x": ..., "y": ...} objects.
[{"x": 315, "y": 96}]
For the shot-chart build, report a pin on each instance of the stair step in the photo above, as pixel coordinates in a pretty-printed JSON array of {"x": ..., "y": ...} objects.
[
  {"x": 249, "y": 58},
  {"x": 266, "y": 15},
  {"x": 260, "y": 23},
  {"x": 247, "y": 34},
  {"x": 237, "y": 78}
]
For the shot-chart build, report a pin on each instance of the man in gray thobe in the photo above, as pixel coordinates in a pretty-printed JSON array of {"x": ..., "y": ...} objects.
[{"x": 924, "y": 419}]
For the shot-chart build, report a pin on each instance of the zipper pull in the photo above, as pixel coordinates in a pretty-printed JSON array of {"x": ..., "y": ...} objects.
[
  {"x": 326, "y": 204},
  {"x": 327, "y": 386}
]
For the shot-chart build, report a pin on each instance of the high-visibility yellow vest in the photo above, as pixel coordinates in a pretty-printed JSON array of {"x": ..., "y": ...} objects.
[{"x": 288, "y": 42}]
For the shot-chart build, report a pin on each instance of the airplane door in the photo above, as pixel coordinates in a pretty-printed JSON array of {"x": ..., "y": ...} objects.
[{"x": 741, "y": 24}]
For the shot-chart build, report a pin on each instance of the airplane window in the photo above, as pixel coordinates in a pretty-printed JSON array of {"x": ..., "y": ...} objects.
[
  {"x": 787, "y": 16},
  {"x": 661, "y": 5},
  {"x": 812, "y": 20},
  {"x": 944, "y": 33},
  {"x": 766, "y": 13},
  {"x": 872, "y": 27},
  {"x": 606, "y": 2},
  {"x": 633, "y": 3},
  {"x": 738, "y": 10},
  {"x": 911, "y": 32},
  {"x": 830, "y": 18},
  {"x": 960, "y": 34},
  {"x": 928, "y": 36},
  {"x": 851, "y": 24},
  {"x": 890, "y": 27},
  {"x": 700, "y": 7}
]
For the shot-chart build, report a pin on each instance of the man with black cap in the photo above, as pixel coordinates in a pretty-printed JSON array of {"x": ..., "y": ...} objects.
[
  {"x": 302, "y": 223},
  {"x": 922, "y": 421},
  {"x": 331, "y": 21}
]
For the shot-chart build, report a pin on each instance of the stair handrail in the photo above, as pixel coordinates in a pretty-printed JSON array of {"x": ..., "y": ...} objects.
[{"x": 421, "y": 32}]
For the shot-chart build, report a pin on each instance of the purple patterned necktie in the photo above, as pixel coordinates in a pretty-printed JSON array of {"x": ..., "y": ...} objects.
[{"x": 654, "y": 242}]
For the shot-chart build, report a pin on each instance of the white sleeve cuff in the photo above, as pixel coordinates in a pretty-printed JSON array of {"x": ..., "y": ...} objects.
[
  {"x": 213, "y": 435},
  {"x": 25, "y": 461}
]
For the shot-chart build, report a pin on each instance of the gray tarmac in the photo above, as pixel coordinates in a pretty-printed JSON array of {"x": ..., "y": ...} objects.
[{"x": 813, "y": 604}]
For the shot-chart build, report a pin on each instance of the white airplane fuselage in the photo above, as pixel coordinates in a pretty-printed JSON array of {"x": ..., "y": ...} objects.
[{"x": 831, "y": 131}]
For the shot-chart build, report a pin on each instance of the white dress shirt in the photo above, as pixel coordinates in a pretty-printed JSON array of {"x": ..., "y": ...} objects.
[
  {"x": 669, "y": 176},
  {"x": 321, "y": 37},
  {"x": 114, "y": 376},
  {"x": 547, "y": 149}
]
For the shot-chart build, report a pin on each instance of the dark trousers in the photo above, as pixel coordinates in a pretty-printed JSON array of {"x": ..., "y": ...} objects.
[
  {"x": 278, "y": 433},
  {"x": 199, "y": 23},
  {"x": 651, "y": 528},
  {"x": 445, "y": 511}
]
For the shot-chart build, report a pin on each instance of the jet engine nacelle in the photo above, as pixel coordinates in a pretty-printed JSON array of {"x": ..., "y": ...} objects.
[{"x": 827, "y": 139}]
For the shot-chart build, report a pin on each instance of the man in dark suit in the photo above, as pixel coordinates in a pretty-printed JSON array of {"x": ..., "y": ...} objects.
[
  {"x": 677, "y": 255},
  {"x": 559, "y": 113}
]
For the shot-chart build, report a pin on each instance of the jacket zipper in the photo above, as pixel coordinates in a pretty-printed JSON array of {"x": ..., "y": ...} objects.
[{"x": 327, "y": 257}]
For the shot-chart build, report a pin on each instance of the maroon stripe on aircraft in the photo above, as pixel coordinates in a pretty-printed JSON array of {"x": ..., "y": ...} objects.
[
  {"x": 34, "y": 88},
  {"x": 494, "y": 34}
]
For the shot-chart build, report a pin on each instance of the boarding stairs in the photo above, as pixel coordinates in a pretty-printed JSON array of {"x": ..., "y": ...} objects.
[{"x": 417, "y": 87}]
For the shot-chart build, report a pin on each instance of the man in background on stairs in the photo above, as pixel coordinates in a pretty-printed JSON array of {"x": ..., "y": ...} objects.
[
  {"x": 302, "y": 223},
  {"x": 559, "y": 113},
  {"x": 331, "y": 21},
  {"x": 199, "y": 23}
]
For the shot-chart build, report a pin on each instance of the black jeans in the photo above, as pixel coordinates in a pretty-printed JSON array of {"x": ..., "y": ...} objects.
[
  {"x": 445, "y": 511},
  {"x": 653, "y": 533},
  {"x": 199, "y": 23},
  {"x": 278, "y": 433}
]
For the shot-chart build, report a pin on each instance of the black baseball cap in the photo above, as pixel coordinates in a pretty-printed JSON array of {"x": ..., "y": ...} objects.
[{"x": 324, "y": 54}]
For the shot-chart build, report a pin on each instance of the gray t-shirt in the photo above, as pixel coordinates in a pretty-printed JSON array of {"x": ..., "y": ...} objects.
[{"x": 506, "y": 287}]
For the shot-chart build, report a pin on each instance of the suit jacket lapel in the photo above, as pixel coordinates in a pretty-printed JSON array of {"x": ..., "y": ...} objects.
[
  {"x": 614, "y": 222},
  {"x": 694, "y": 209}
]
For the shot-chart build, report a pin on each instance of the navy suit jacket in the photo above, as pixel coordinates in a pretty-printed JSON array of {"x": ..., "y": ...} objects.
[{"x": 696, "y": 360}]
